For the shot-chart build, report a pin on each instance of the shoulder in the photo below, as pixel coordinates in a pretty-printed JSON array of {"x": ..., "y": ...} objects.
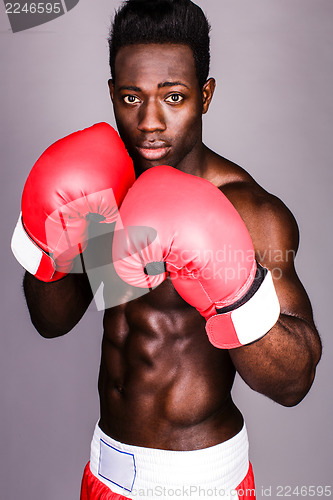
[{"x": 271, "y": 224}]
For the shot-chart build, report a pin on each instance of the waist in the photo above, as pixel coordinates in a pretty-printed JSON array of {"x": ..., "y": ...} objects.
[{"x": 136, "y": 471}]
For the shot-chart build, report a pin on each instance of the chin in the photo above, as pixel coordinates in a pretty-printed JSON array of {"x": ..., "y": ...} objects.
[{"x": 142, "y": 166}]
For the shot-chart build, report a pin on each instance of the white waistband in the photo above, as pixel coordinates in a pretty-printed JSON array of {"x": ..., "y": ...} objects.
[{"x": 143, "y": 473}]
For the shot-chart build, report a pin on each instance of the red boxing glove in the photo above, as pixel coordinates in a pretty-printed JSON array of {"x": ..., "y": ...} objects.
[
  {"x": 80, "y": 177},
  {"x": 183, "y": 225}
]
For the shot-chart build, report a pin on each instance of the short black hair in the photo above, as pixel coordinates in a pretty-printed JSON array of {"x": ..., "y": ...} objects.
[{"x": 162, "y": 21}]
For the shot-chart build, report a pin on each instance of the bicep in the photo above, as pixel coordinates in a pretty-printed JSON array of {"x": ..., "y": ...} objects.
[
  {"x": 275, "y": 237},
  {"x": 276, "y": 245}
]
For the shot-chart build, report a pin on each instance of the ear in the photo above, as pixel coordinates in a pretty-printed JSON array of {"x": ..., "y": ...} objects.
[
  {"x": 111, "y": 88},
  {"x": 207, "y": 94}
]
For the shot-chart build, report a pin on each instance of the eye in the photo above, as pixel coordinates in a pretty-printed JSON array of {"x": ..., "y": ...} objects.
[
  {"x": 174, "y": 98},
  {"x": 131, "y": 99}
]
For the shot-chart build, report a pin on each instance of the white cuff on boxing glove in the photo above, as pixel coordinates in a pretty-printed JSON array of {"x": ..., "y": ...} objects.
[
  {"x": 252, "y": 319},
  {"x": 30, "y": 255}
]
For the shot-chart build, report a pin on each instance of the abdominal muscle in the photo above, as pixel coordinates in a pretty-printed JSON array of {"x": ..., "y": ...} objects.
[{"x": 161, "y": 383}]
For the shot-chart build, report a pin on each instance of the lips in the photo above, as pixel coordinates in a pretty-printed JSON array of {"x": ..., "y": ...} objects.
[{"x": 153, "y": 151}]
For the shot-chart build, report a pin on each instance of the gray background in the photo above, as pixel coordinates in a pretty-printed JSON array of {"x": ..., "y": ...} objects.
[{"x": 272, "y": 113}]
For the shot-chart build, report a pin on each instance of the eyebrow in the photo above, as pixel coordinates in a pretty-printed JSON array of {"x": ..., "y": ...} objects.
[
  {"x": 134, "y": 88},
  {"x": 130, "y": 87},
  {"x": 171, "y": 84}
]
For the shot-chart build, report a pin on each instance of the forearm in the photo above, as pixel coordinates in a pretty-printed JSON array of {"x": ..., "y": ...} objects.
[
  {"x": 55, "y": 308},
  {"x": 282, "y": 364}
]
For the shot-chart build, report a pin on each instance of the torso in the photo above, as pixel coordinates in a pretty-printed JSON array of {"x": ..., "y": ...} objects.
[{"x": 162, "y": 384}]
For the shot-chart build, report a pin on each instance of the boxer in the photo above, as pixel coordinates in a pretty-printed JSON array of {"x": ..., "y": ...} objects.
[{"x": 177, "y": 332}]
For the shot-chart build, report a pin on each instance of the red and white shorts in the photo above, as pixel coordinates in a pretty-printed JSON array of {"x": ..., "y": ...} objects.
[{"x": 118, "y": 471}]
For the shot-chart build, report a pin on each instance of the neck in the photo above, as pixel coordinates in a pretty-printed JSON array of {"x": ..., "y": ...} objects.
[{"x": 195, "y": 162}]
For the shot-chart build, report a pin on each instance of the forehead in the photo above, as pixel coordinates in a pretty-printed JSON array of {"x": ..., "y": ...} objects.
[{"x": 155, "y": 63}]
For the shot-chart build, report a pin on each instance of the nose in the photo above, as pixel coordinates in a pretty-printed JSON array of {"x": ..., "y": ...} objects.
[{"x": 151, "y": 117}]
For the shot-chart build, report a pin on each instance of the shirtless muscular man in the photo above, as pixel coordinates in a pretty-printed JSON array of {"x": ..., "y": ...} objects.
[{"x": 188, "y": 256}]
